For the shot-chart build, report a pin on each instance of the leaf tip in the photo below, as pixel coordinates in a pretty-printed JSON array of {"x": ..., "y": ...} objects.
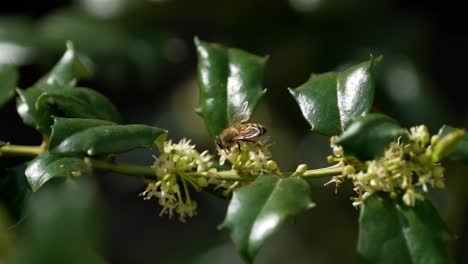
[
  {"x": 196, "y": 40},
  {"x": 198, "y": 111},
  {"x": 69, "y": 45},
  {"x": 159, "y": 141},
  {"x": 375, "y": 60}
]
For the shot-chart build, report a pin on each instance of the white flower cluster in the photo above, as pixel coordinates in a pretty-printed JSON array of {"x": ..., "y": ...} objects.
[
  {"x": 403, "y": 171},
  {"x": 249, "y": 159},
  {"x": 174, "y": 165}
]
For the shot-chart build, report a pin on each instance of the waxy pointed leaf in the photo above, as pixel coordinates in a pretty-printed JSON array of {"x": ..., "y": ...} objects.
[
  {"x": 26, "y": 107},
  {"x": 366, "y": 137},
  {"x": 8, "y": 80},
  {"x": 329, "y": 101},
  {"x": 48, "y": 166},
  {"x": 318, "y": 101},
  {"x": 229, "y": 79},
  {"x": 390, "y": 232},
  {"x": 68, "y": 70},
  {"x": 65, "y": 127},
  {"x": 78, "y": 103},
  {"x": 256, "y": 211},
  {"x": 93, "y": 137},
  {"x": 460, "y": 150},
  {"x": 62, "y": 77},
  {"x": 15, "y": 191},
  {"x": 37, "y": 105}
]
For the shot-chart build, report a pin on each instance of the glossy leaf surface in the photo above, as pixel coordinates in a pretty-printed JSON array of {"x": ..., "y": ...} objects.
[
  {"x": 366, "y": 137},
  {"x": 390, "y": 232},
  {"x": 62, "y": 77},
  {"x": 79, "y": 103},
  {"x": 96, "y": 137},
  {"x": 8, "y": 80},
  {"x": 48, "y": 166},
  {"x": 256, "y": 211},
  {"x": 15, "y": 191},
  {"x": 330, "y": 100},
  {"x": 26, "y": 107},
  {"x": 460, "y": 150},
  {"x": 318, "y": 101},
  {"x": 229, "y": 79},
  {"x": 68, "y": 70}
]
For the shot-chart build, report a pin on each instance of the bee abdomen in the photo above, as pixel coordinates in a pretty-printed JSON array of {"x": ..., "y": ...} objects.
[{"x": 262, "y": 130}]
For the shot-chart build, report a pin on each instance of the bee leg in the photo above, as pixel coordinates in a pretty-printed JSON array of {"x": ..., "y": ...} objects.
[{"x": 238, "y": 145}]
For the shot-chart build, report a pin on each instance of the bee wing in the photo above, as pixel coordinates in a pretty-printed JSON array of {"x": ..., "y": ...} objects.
[
  {"x": 241, "y": 116},
  {"x": 248, "y": 132},
  {"x": 264, "y": 141}
]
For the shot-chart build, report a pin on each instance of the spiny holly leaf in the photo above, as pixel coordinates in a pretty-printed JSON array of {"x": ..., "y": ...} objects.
[
  {"x": 390, "y": 232},
  {"x": 78, "y": 103},
  {"x": 64, "y": 127},
  {"x": 48, "y": 166},
  {"x": 459, "y": 150},
  {"x": 96, "y": 137},
  {"x": 330, "y": 100},
  {"x": 366, "y": 137},
  {"x": 8, "y": 80},
  {"x": 26, "y": 107},
  {"x": 37, "y": 105},
  {"x": 15, "y": 191},
  {"x": 62, "y": 227},
  {"x": 68, "y": 70},
  {"x": 230, "y": 83},
  {"x": 62, "y": 77},
  {"x": 256, "y": 211}
]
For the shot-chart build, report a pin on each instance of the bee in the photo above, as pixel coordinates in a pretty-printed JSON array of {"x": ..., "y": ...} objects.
[{"x": 240, "y": 130}]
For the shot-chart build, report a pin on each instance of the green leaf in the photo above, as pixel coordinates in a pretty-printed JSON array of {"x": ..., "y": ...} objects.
[
  {"x": 390, "y": 232},
  {"x": 459, "y": 148},
  {"x": 229, "y": 80},
  {"x": 62, "y": 77},
  {"x": 68, "y": 70},
  {"x": 366, "y": 137},
  {"x": 96, "y": 137},
  {"x": 65, "y": 127},
  {"x": 15, "y": 191},
  {"x": 48, "y": 166},
  {"x": 330, "y": 100},
  {"x": 79, "y": 103},
  {"x": 26, "y": 107},
  {"x": 62, "y": 227},
  {"x": 38, "y": 104},
  {"x": 8, "y": 81},
  {"x": 2, "y": 143},
  {"x": 256, "y": 211}
]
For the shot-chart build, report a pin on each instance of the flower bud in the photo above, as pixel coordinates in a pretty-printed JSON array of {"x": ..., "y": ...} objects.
[
  {"x": 202, "y": 182},
  {"x": 434, "y": 139},
  {"x": 271, "y": 165},
  {"x": 348, "y": 169},
  {"x": 300, "y": 169}
]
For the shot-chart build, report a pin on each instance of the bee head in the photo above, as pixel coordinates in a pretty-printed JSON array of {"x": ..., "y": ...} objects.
[{"x": 218, "y": 143}]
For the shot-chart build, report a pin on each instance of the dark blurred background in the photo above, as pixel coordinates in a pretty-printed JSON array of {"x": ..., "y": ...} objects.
[{"x": 143, "y": 58}]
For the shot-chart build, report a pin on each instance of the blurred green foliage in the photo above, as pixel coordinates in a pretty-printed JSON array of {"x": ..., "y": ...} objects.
[{"x": 143, "y": 57}]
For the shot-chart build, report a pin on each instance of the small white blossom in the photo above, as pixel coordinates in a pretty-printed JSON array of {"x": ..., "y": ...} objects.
[
  {"x": 401, "y": 169},
  {"x": 249, "y": 159},
  {"x": 175, "y": 162},
  {"x": 186, "y": 210}
]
